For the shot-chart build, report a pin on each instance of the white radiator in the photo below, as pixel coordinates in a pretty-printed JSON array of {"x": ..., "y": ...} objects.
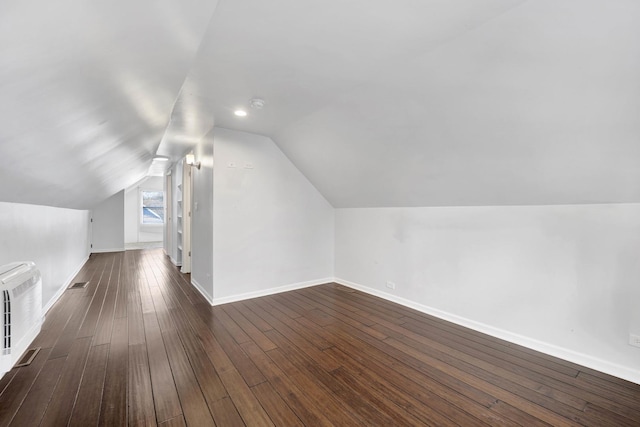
[{"x": 21, "y": 300}]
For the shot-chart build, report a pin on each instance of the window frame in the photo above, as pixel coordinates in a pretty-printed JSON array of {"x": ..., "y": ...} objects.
[{"x": 141, "y": 207}]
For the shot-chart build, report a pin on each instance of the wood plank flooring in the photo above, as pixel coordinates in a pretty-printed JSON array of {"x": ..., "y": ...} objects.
[{"x": 139, "y": 346}]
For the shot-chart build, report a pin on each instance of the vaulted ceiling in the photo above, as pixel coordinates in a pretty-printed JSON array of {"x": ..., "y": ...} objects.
[
  {"x": 86, "y": 92},
  {"x": 405, "y": 103}
]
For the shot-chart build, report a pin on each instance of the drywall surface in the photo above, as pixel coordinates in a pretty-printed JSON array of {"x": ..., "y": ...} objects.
[
  {"x": 131, "y": 215},
  {"x": 134, "y": 230},
  {"x": 272, "y": 228},
  {"x": 202, "y": 218},
  {"x": 56, "y": 239},
  {"x": 108, "y": 224},
  {"x": 563, "y": 279}
]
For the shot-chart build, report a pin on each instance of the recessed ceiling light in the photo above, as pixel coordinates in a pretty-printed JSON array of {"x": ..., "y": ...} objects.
[
  {"x": 161, "y": 159},
  {"x": 240, "y": 113}
]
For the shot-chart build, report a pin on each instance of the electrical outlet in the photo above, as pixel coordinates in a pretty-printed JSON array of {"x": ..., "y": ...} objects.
[
  {"x": 391, "y": 285},
  {"x": 634, "y": 340}
]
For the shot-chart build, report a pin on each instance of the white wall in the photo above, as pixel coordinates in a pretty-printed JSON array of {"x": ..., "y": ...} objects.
[
  {"x": 108, "y": 225},
  {"x": 167, "y": 230},
  {"x": 56, "y": 239},
  {"x": 562, "y": 279},
  {"x": 131, "y": 216},
  {"x": 202, "y": 218},
  {"x": 271, "y": 227},
  {"x": 134, "y": 230}
]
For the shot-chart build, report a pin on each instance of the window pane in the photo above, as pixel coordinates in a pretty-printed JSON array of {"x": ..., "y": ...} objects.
[{"x": 153, "y": 207}]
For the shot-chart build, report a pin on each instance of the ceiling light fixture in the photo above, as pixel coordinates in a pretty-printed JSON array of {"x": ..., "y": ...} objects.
[
  {"x": 240, "y": 113},
  {"x": 160, "y": 159}
]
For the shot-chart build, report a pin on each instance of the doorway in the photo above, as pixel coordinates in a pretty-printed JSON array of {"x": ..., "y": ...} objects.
[
  {"x": 144, "y": 214},
  {"x": 185, "y": 230}
]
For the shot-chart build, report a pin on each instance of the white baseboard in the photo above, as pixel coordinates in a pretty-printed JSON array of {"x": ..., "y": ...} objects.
[
  {"x": 103, "y": 251},
  {"x": 63, "y": 288},
  {"x": 271, "y": 291},
  {"x": 201, "y": 290},
  {"x": 595, "y": 363}
]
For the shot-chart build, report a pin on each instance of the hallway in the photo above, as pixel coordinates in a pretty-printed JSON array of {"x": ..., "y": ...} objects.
[{"x": 140, "y": 346}]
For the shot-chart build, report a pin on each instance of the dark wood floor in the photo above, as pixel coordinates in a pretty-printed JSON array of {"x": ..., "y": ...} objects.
[{"x": 139, "y": 346}]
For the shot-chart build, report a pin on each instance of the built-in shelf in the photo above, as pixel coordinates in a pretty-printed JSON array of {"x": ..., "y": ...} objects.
[
  {"x": 179, "y": 220},
  {"x": 182, "y": 221}
]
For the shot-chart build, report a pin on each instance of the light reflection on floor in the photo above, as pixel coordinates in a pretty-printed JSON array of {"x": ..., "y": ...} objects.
[{"x": 142, "y": 245}]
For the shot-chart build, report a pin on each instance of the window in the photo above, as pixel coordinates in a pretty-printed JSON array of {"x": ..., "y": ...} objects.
[{"x": 152, "y": 207}]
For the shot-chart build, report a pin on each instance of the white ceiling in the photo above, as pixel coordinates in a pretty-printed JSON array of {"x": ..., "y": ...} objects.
[
  {"x": 404, "y": 103},
  {"x": 86, "y": 92}
]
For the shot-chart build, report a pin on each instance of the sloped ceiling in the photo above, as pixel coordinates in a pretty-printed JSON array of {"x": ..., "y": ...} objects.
[
  {"x": 86, "y": 92},
  {"x": 405, "y": 103}
]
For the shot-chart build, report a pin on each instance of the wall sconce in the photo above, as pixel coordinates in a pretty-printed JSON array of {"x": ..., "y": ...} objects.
[{"x": 191, "y": 161}]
